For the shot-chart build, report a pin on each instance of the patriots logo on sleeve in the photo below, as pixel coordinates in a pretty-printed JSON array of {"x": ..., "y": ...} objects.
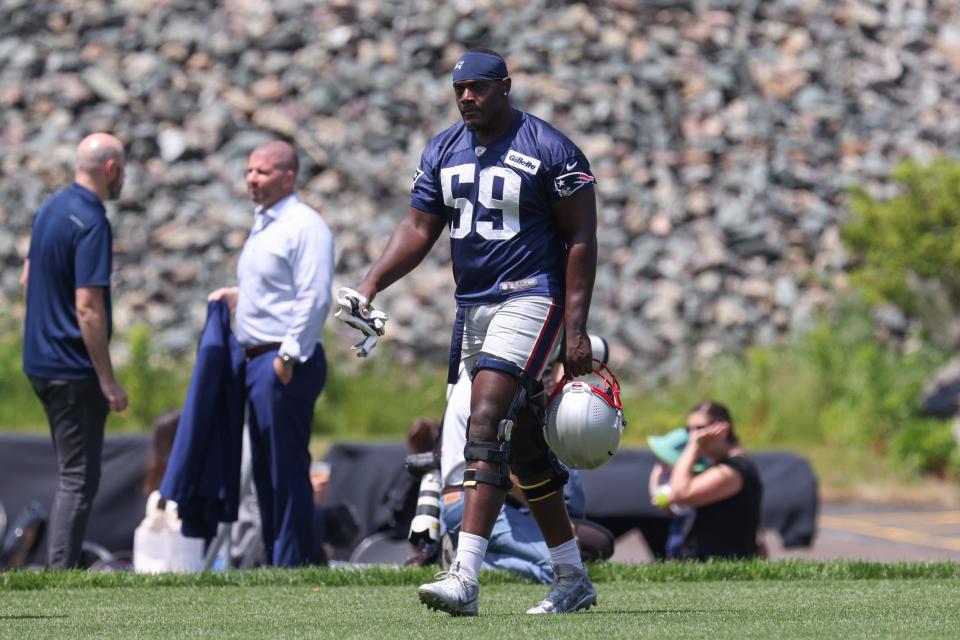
[
  {"x": 570, "y": 183},
  {"x": 416, "y": 177}
]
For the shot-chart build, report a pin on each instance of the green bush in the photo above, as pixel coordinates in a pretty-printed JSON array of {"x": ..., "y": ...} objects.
[
  {"x": 377, "y": 397},
  {"x": 924, "y": 446},
  {"x": 953, "y": 463},
  {"x": 837, "y": 386},
  {"x": 909, "y": 245},
  {"x": 907, "y": 250},
  {"x": 154, "y": 383},
  {"x": 836, "y": 389},
  {"x": 19, "y": 408}
]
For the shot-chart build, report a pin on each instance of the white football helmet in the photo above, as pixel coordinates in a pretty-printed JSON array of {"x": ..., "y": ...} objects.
[{"x": 585, "y": 421}]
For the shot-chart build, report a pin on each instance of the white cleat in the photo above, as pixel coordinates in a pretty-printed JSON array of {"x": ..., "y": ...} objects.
[
  {"x": 454, "y": 592},
  {"x": 572, "y": 590}
]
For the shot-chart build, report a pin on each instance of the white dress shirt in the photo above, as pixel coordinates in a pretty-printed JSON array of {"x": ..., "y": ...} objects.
[{"x": 284, "y": 277}]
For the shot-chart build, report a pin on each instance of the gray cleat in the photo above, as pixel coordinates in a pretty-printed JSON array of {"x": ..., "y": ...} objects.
[
  {"x": 454, "y": 592},
  {"x": 571, "y": 591}
]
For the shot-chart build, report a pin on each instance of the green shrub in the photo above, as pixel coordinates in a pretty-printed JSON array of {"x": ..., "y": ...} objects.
[
  {"x": 377, "y": 397},
  {"x": 154, "y": 383},
  {"x": 872, "y": 390},
  {"x": 19, "y": 408},
  {"x": 837, "y": 386},
  {"x": 909, "y": 246},
  {"x": 953, "y": 463},
  {"x": 836, "y": 389},
  {"x": 923, "y": 446}
]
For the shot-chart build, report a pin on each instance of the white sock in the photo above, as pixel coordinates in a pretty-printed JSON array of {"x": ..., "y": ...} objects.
[
  {"x": 471, "y": 550},
  {"x": 567, "y": 553}
]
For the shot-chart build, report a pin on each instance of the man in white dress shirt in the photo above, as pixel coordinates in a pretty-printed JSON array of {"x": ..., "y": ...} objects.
[{"x": 282, "y": 299}]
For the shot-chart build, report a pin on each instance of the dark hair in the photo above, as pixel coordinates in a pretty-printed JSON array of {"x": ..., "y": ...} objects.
[
  {"x": 422, "y": 435},
  {"x": 162, "y": 431},
  {"x": 717, "y": 412}
]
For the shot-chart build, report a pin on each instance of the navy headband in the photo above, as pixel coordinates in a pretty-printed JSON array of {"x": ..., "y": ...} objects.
[{"x": 477, "y": 65}]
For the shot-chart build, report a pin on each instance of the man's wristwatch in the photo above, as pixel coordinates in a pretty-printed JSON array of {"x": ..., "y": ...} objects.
[{"x": 289, "y": 362}]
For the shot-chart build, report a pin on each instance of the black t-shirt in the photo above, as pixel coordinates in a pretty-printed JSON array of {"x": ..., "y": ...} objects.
[{"x": 728, "y": 529}]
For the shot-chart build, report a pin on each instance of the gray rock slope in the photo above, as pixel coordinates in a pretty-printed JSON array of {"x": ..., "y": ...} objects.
[{"x": 723, "y": 136}]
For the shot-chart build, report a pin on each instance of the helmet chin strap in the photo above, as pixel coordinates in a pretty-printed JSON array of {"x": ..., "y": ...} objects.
[{"x": 611, "y": 392}]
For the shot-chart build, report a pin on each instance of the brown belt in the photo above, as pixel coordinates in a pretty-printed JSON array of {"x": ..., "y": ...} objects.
[{"x": 260, "y": 349}]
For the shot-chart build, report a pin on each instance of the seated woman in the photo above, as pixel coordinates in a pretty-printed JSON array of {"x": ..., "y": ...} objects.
[{"x": 725, "y": 497}]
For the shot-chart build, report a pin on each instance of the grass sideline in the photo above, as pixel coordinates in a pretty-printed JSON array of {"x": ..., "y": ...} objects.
[
  {"x": 747, "y": 570},
  {"x": 687, "y": 607}
]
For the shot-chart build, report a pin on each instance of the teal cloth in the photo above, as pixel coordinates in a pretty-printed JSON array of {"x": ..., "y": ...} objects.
[{"x": 669, "y": 446}]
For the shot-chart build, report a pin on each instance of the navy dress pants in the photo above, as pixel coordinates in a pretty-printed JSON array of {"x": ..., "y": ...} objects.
[{"x": 279, "y": 418}]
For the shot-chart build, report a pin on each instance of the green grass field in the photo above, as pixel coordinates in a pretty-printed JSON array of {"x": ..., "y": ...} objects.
[{"x": 724, "y": 600}]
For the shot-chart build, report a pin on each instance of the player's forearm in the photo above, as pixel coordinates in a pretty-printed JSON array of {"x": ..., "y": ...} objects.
[
  {"x": 580, "y": 275},
  {"x": 92, "y": 319}
]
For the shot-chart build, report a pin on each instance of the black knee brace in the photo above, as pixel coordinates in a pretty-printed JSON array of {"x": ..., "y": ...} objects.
[{"x": 498, "y": 453}]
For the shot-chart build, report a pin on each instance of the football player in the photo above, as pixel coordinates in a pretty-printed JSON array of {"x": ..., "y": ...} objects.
[{"x": 517, "y": 199}]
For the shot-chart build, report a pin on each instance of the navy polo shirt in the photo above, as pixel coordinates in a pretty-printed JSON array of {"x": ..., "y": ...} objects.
[{"x": 71, "y": 247}]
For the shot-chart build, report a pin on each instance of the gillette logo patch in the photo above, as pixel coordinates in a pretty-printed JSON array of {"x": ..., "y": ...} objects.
[{"x": 519, "y": 161}]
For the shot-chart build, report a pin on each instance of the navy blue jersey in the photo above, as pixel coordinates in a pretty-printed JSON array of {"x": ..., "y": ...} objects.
[{"x": 498, "y": 202}]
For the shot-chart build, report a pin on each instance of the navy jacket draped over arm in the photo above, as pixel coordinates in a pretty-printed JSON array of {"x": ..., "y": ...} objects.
[{"x": 203, "y": 474}]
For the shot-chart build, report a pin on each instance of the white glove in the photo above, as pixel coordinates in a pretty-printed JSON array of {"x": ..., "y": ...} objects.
[
  {"x": 354, "y": 310},
  {"x": 365, "y": 346}
]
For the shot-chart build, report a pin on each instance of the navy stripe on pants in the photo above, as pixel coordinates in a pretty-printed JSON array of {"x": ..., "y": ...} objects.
[
  {"x": 552, "y": 326},
  {"x": 280, "y": 417}
]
